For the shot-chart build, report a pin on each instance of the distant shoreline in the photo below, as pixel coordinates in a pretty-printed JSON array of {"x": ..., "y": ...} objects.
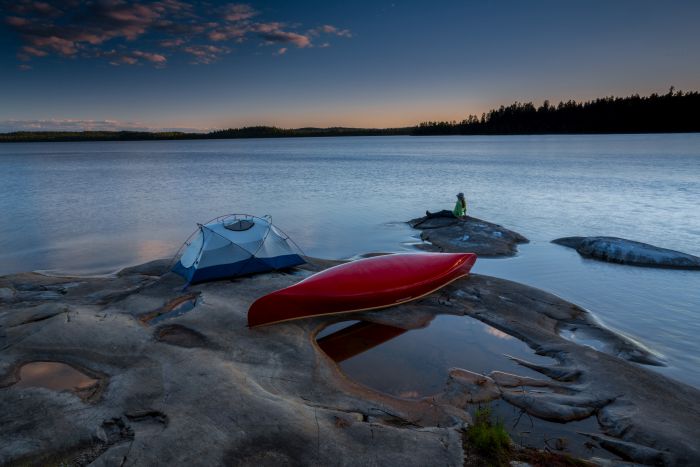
[
  {"x": 674, "y": 112},
  {"x": 49, "y": 138},
  {"x": 237, "y": 133}
]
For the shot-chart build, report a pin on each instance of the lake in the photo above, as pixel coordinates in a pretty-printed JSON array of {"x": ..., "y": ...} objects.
[{"x": 94, "y": 207}]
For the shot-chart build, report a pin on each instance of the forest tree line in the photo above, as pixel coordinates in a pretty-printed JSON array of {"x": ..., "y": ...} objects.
[
  {"x": 673, "y": 112},
  {"x": 231, "y": 133}
]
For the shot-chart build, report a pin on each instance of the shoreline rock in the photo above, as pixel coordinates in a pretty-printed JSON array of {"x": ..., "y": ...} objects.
[
  {"x": 201, "y": 387},
  {"x": 472, "y": 235},
  {"x": 629, "y": 252},
  {"x": 624, "y": 397}
]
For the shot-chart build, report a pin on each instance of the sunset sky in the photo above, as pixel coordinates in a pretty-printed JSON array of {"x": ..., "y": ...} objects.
[{"x": 118, "y": 64}]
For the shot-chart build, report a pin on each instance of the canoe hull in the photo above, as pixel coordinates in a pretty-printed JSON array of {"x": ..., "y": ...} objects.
[{"x": 366, "y": 284}]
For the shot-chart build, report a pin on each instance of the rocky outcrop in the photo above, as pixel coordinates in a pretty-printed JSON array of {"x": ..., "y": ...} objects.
[
  {"x": 585, "y": 382},
  {"x": 200, "y": 387},
  {"x": 623, "y": 251},
  {"x": 469, "y": 235}
]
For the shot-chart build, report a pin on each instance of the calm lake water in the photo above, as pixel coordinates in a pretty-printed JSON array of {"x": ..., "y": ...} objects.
[
  {"x": 416, "y": 363},
  {"x": 92, "y": 208}
]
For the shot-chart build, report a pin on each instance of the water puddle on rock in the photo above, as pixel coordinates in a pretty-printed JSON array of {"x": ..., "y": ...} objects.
[
  {"x": 172, "y": 309},
  {"x": 416, "y": 363},
  {"x": 53, "y": 375}
]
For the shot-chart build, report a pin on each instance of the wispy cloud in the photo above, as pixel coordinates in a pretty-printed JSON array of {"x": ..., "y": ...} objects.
[
  {"x": 273, "y": 33},
  {"x": 206, "y": 54},
  {"x": 239, "y": 12},
  {"x": 137, "y": 56},
  {"x": 332, "y": 30},
  {"x": 80, "y": 125},
  {"x": 172, "y": 42},
  {"x": 150, "y": 32},
  {"x": 69, "y": 125}
]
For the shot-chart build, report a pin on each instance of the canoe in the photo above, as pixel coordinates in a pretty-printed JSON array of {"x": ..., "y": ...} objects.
[{"x": 366, "y": 284}]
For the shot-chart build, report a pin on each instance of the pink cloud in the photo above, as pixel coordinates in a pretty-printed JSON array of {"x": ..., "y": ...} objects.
[
  {"x": 124, "y": 60},
  {"x": 172, "y": 43},
  {"x": 90, "y": 28},
  {"x": 135, "y": 57},
  {"x": 218, "y": 36},
  {"x": 329, "y": 29},
  {"x": 34, "y": 51},
  {"x": 229, "y": 32},
  {"x": 158, "y": 59},
  {"x": 30, "y": 7},
  {"x": 132, "y": 14},
  {"x": 239, "y": 12},
  {"x": 273, "y": 33},
  {"x": 267, "y": 27},
  {"x": 164, "y": 6},
  {"x": 55, "y": 43},
  {"x": 43, "y": 7},
  {"x": 16, "y": 21},
  {"x": 206, "y": 54}
]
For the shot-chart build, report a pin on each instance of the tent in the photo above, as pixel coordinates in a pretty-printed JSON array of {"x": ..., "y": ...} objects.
[{"x": 235, "y": 245}]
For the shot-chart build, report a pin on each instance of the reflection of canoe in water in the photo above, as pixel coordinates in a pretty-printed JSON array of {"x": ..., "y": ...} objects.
[
  {"x": 366, "y": 284},
  {"x": 355, "y": 339}
]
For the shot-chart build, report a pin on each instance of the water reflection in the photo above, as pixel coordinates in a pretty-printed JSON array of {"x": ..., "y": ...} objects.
[
  {"x": 496, "y": 333},
  {"x": 351, "y": 341},
  {"x": 178, "y": 306},
  {"x": 656, "y": 307},
  {"x": 53, "y": 375},
  {"x": 415, "y": 363}
]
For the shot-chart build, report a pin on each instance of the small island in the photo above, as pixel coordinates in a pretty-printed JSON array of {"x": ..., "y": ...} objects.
[{"x": 471, "y": 235}]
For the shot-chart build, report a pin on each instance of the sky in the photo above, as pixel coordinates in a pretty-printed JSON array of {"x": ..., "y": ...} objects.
[{"x": 202, "y": 65}]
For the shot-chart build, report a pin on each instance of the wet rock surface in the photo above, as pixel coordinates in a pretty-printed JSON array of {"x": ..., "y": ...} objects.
[
  {"x": 643, "y": 415},
  {"x": 623, "y": 251},
  {"x": 202, "y": 388},
  {"x": 470, "y": 235},
  {"x": 176, "y": 334}
]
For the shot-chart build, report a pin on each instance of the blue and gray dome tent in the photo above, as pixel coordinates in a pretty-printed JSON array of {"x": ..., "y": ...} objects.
[{"x": 235, "y": 245}]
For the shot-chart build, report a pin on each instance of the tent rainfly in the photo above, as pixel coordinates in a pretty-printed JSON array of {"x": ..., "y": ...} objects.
[{"x": 235, "y": 245}]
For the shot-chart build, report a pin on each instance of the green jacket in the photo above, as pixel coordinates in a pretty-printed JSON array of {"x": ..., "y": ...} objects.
[{"x": 460, "y": 211}]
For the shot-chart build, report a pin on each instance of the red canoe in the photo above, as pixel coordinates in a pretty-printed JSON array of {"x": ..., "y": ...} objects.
[{"x": 366, "y": 284}]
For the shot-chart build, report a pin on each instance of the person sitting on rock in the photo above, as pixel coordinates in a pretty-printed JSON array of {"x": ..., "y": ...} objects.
[{"x": 460, "y": 210}]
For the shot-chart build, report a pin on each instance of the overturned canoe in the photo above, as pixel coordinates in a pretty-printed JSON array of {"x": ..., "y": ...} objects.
[{"x": 366, "y": 284}]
